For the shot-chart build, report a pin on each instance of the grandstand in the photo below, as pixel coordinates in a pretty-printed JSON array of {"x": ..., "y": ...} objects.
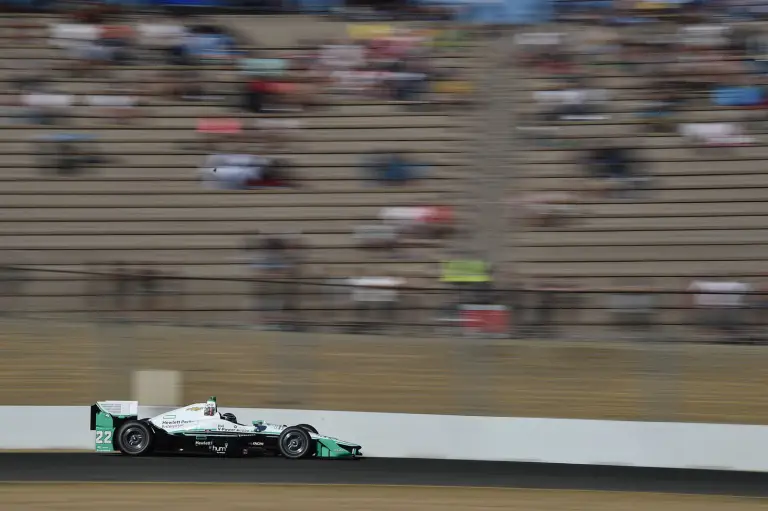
[
  {"x": 143, "y": 202},
  {"x": 695, "y": 211},
  {"x": 682, "y": 195}
]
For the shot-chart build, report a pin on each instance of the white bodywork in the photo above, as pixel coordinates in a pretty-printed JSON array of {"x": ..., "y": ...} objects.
[
  {"x": 191, "y": 420},
  {"x": 119, "y": 407}
]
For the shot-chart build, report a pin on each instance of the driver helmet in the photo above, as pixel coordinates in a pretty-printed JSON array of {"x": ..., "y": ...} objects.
[
  {"x": 210, "y": 407},
  {"x": 229, "y": 417}
]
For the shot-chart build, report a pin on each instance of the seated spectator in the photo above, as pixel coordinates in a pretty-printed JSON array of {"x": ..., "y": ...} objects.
[
  {"x": 441, "y": 221},
  {"x": 43, "y": 106},
  {"x": 67, "y": 153},
  {"x": 208, "y": 44},
  {"x": 715, "y": 134},
  {"x": 341, "y": 55},
  {"x": 547, "y": 208},
  {"x": 376, "y": 299},
  {"x": 659, "y": 109},
  {"x": 277, "y": 174},
  {"x": 392, "y": 167},
  {"x": 360, "y": 82},
  {"x": 85, "y": 45},
  {"x": 68, "y": 35},
  {"x": 536, "y": 48},
  {"x": 453, "y": 91},
  {"x": 265, "y": 95},
  {"x": 262, "y": 68},
  {"x": 381, "y": 236},
  {"x": 632, "y": 304},
  {"x": 618, "y": 170},
  {"x": 116, "y": 105},
  {"x": 718, "y": 305},
  {"x": 410, "y": 83},
  {"x": 271, "y": 266},
  {"x": 245, "y": 172},
  {"x": 406, "y": 219},
  {"x": 711, "y": 35},
  {"x": 120, "y": 40},
  {"x": 161, "y": 36},
  {"x": 574, "y": 103},
  {"x": 232, "y": 171},
  {"x": 426, "y": 222}
]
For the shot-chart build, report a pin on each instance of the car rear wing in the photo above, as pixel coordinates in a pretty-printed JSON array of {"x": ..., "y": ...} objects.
[{"x": 106, "y": 417}]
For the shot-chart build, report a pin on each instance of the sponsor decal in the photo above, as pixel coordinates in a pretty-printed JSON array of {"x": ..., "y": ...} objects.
[
  {"x": 260, "y": 428},
  {"x": 175, "y": 423},
  {"x": 257, "y": 444},
  {"x": 219, "y": 449},
  {"x": 194, "y": 408},
  {"x": 200, "y": 443},
  {"x": 168, "y": 417}
]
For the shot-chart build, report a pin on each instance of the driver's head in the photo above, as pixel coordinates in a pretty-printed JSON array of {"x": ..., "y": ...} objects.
[{"x": 210, "y": 407}]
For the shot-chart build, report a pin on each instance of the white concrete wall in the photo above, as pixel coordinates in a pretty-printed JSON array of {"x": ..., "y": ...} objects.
[{"x": 673, "y": 445}]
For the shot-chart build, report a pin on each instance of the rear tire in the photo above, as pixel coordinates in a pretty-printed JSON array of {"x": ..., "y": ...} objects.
[
  {"x": 309, "y": 428},
  {"x": 135, "y": 438},
  {"x": 295, "y": 443}
]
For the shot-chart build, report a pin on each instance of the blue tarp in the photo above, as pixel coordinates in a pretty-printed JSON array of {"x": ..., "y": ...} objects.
[
  {"x": 65, "y": 137},
  {"x": 737, "y": 96},
  {"x": 499, "y": 12}
]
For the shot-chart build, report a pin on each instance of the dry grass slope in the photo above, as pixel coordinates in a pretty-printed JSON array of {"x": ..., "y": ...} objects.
[{"x": 58, "y": 363}]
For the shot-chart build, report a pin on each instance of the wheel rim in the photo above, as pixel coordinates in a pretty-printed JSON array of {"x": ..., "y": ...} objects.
[
  {"x": 295, "y": 443},
  {"x": 134, "y": 439}
]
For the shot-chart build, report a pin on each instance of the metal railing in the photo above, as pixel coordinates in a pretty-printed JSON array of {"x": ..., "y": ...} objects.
[{"x": 553, "y": 309}]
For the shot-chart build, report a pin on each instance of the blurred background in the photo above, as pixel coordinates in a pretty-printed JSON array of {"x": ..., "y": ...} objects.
[{"x": 503, "y": 207}]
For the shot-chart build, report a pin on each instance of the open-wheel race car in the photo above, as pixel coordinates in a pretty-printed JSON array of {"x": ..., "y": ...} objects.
[{"x": 201, "y": 429}]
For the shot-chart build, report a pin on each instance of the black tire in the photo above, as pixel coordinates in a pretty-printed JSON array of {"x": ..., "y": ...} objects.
[
  {"x": 309, "y": 428},
  {"x": 135, "y": 438},
  {"x": 294, "y": 443}
]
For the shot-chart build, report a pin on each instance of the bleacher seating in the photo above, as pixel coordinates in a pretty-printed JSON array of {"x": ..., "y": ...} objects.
[
  {"x": 146, "y": 205},
  {"x": 703, "y": 214}
]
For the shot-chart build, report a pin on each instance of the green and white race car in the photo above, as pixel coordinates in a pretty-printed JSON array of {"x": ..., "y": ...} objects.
[{"x": 200, "y": 429}]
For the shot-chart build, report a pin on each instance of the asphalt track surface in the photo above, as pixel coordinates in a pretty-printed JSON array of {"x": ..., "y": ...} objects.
[{"x": 92, "y": 467}]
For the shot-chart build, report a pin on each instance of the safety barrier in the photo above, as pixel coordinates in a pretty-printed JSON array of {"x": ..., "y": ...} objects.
[{"x": 588, "y": 442}]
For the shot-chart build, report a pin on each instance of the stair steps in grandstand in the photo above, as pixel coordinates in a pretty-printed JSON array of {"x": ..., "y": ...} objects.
[
  {"x": 193, "y": 160},
  {"x": 307, "y": 174},
  {"x": 223, "y": 213},
  {"x": 317, "y": 146},
  {"x": 354, "y": 135},
  {"x": 214, "y": 199},
  {"x": 192, "y": 187},
  {"x": 689, "y": 153},
  {"x": 354, "y": 259}
]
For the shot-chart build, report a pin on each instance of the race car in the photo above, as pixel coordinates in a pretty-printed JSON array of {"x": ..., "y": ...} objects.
[{"x": 201, "y": 429}]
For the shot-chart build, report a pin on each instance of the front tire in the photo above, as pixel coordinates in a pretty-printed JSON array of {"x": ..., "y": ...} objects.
[
  {"x": 295, "y": 443},
  {"x": 309, "y": 428},
  {"x": 135, "y": 438}
]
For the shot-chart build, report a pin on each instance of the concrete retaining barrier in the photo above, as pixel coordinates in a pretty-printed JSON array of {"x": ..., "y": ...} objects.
[{"x": 592, "y": 442}]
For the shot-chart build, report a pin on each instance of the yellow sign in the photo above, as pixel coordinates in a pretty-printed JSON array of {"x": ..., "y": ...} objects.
[
  {"x": 369, "y": 30},
  {"x": 194, "y": 409}
]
